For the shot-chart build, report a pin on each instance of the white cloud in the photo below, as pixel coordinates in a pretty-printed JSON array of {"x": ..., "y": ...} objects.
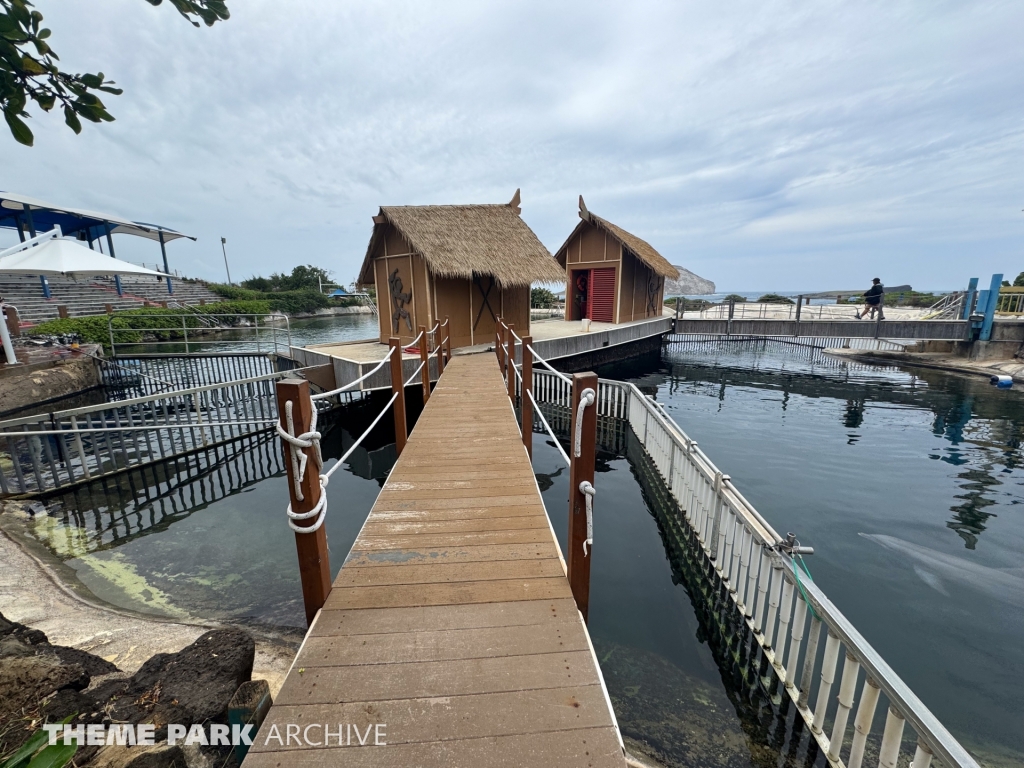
[{"x": 764, "y": 145}]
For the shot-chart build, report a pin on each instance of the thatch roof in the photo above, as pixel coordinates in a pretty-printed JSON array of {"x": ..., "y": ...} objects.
[
  {"x": 463, "y": 240},
  {"x": 641, "y": 248}
]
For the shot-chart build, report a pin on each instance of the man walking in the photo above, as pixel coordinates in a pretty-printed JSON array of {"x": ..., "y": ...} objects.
[{"x": 873, "y": 300}]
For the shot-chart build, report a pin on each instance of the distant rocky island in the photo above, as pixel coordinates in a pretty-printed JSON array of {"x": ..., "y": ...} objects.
[{"x": 688, "y": 284}]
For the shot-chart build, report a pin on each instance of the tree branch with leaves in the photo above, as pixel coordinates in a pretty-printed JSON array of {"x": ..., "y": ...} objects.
[{"x": 30, "y": 71}]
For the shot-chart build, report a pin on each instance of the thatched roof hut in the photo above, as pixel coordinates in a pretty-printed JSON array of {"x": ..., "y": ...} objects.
[
  {"x": 471, "y": 263},
  {"x": 611, "y": 275}
]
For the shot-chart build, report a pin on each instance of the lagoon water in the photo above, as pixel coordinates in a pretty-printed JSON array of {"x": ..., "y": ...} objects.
[{"x": 826, "y": 449}]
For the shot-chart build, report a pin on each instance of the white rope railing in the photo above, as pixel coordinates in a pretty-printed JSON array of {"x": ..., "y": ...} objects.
[
  {"x": 299, "y": 460},
  {"x": 554, "y": 437},
  {"x": 351, "y": 384},
  {"x": 589, "y": 493},
  {"x": 362, "y": 437},
  {"x": 587, "y": 397},
  {"x": 547, "y": 365},
  {"x": 415, "y": 373}
]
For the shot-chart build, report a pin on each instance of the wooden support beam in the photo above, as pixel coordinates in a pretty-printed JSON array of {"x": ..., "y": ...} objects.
[
  {"x": 425, "y": 373},
  {"x": 527, "y": 405},
  {"x": 398, "y": 385},
  {"x": 314, "y": 562},
  {"x": 581, "y": 470},
  {"x": 511, "y": 359}
]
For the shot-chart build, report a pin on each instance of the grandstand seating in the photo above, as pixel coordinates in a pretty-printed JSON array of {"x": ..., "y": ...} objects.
[{"x": 90, "y": 295}]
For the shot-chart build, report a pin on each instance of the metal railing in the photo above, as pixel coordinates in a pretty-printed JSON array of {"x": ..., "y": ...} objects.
[
  {"x": 192, "y": 328},
  {"x": 1011, "y": 301},
  {"x": 801, "y": 633},
  {"x": 153, "y": 374},
  {"x": 48, "y": 452}
]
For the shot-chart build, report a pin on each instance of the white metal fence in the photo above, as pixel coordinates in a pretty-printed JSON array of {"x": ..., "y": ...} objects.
[
  {"x": 801, "y": 633},
  {"x": 48, "y": 452}
]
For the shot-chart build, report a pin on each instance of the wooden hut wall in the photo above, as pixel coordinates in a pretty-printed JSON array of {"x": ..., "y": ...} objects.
[
  {"x": 413, "y": 297},
  {"x": 641, "y": 290},
  {"x": 591, "y": 248},
  {"x": 473, "y": 320}
]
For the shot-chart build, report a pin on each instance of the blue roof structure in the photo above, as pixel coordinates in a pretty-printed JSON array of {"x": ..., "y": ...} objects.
[{"x": 28, "y": 214}]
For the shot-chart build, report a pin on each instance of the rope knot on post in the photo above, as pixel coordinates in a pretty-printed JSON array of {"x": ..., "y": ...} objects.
[
  {"x": 296, "y": 444},
  {"x": 587, "y": 397},
  {"x": 589, "y": 492}
]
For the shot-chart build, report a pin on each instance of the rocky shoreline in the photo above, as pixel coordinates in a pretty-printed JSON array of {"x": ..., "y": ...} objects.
[{"x": 62, "y": 655}]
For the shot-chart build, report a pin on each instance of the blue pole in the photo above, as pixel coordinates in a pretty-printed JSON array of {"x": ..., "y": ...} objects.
[
  {"x": 990, "y": 308},
  {"x": 163, "y": 250},
  {"x": 110, "y": 247},
  {"x": 972, "y": 288}
]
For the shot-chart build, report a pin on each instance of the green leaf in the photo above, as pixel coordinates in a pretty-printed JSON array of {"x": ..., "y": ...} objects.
[
  {"x": 43, "y": 34},
  {"x": 92, "y": 81},
  {"x": 32, "y": 66},
  {"x": 72, "y": 120},
  {"x": 45, "y": 100},
  {"x": 21, "y": 132},
  {"x": 54, "y": 756},
  {"x": 111, "y": 89},
  {"x": 28, "y": 749}
]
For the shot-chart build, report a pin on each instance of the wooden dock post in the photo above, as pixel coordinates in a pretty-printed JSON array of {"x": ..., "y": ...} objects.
[
  {"x": 527, "y": 404},
  {"x": 398, "y": 386},
  {"x": 581, "y": 470},
  {"x": 62, "y": 311},
  {"x": 511, "y": 355},
  {"x": 425, "y": 373},
  {"x": 442, "y": 344},
  {"x": 499, "y": 343},
  {"x": 448, "y": 338},
  {"x": 314, "y": 563}
]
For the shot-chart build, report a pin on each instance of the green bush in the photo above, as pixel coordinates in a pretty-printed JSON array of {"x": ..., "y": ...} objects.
[
  {"x": 147, "y": 322},
  {"x": 290, "y": 302},
  {"x": 736, "y": 298},
  {"x": 542, "y": 298},
  {"x": 774, "y": 298}
]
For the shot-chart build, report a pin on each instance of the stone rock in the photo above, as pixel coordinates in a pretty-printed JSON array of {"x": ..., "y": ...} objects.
[
  {"x": 191, "y": 686},
  {"x": 688, "y": 284},
  {"x": 157, "y": 756},
  {"x": 92, "y": 664}
]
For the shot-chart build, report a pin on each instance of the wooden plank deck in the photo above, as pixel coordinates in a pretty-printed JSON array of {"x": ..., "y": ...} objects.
[{"x": 451, "y": 622}]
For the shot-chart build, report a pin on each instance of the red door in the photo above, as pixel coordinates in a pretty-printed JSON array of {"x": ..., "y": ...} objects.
[{"x": 601, "y": 295}]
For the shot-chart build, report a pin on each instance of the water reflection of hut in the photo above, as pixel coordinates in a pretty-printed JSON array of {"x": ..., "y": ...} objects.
[
  {"x": 470, "y": 263},
  {"x": 611, "y": 275}
]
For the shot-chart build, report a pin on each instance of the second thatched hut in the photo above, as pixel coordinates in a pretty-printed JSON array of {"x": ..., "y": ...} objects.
[{"x": 469, "y": 263}]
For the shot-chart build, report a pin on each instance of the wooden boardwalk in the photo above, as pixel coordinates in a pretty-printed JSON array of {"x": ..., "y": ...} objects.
[{"x": 451, "y": 622}]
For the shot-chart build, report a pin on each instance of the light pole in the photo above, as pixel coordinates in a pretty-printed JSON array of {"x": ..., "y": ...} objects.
[{"x": 223, "y": 247}]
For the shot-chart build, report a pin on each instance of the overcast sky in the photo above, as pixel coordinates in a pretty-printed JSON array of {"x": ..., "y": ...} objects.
[{"x": 763, "y": 145}]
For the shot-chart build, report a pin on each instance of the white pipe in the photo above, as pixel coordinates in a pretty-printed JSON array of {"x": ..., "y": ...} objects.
[
  {"x": 762, "y": 589},
  {"x": 828, "y": 676},
  {"x": 785, "y": 611},
  {"x": 773, "y": 604},
  {"x": 922, "y": 756},
  {"x": 796, "y": 636},
  {"x": 862, "y": 723},
  {"x": 889, "y": 752},
  {"x": 5, "y": 337},
  {"x": 851, "y": 668}
]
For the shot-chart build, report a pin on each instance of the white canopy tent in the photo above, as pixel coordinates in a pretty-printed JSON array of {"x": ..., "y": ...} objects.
[{"x": 50, "y": 254}]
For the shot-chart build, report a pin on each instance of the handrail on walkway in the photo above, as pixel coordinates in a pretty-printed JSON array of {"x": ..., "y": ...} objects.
[
  {"x": 307, "y": 510},
  {"x": 761, "y": 574},
  {"x": 582, "y": 454}
]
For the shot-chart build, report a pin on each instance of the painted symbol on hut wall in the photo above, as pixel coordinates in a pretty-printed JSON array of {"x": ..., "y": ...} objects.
[
  {"x": 653, "y": 286},
  {"x": 398, "y": 301}
]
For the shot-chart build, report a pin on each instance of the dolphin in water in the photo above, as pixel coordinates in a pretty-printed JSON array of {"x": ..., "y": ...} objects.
[{"x": 1003, "y": 584}]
